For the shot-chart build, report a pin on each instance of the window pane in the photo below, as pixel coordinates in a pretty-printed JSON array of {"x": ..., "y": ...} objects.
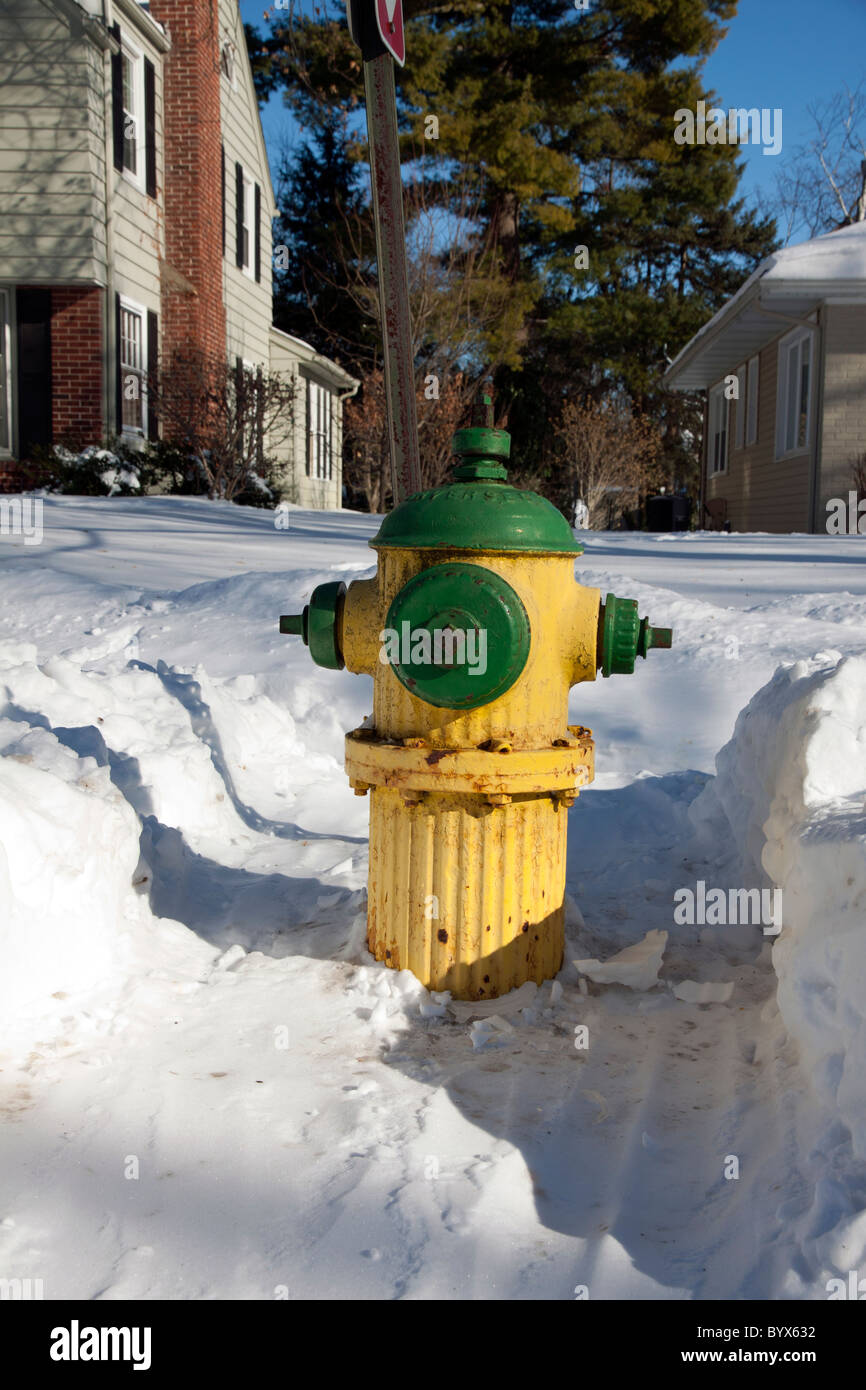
[
  {"x": 130, "y": 153},
  {"x": 131, "y": 365},
  {"x": 791, "y": 403},
  {"x": 752, "y": 407},
  {"x": 803, "y": 416},
  {"x": 741, "y": 408}
]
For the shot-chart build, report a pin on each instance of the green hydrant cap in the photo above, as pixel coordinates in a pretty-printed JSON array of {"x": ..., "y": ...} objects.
[
  {"x": 317, "y": 625},
  {"x": 479, "y": 510},
  {"x": 459, "y": 636},
  {"x": 623, "y": 636}
]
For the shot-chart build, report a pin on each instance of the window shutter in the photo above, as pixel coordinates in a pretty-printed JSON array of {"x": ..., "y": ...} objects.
[
  {"x": 33, "y": 312},
  {"x": 117, "y": 101},
  {"x": 257, "y": 216},
  {"x": 150, "y": 127},
  {"x": 239, "y": 216},
  {"x": 152, "y": 370},
  {"x": 118, "y": 374},
  {"x": 223, "y": 194}
]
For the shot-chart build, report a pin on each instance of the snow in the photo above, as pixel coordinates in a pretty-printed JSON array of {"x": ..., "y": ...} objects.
[
  {"x": 839, "y": 255},
  {"x": 209, "y": 1089},
  {"x": 636, "y": 966}
]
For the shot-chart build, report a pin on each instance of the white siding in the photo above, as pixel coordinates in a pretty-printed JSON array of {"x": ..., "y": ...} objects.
[
  {"x": 52, "y": 148},
  {"x": 248, "y": 304},
  {"x": 136, "y": 226}
]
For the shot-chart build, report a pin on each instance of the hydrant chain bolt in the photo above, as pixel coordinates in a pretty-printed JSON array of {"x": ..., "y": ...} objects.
[{"x": 474, "y": 630}]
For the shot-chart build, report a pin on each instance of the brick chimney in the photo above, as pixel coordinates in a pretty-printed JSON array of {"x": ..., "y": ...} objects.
[{"x": 193, "y": 312}]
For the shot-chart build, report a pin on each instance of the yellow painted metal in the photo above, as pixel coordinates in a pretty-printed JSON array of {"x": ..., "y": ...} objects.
[
  {"x": 417, "y": 765},
  {"x": 466, "y": 895},
  {"x": 468, "y": 807}
]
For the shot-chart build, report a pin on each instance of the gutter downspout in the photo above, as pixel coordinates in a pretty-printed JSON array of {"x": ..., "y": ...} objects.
[
  {"x": 818, "y": 443},
  {"x": 344, "y": 396}
]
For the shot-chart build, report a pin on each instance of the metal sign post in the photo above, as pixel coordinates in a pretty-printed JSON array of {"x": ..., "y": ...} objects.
[{"x": 377, "y": 28}]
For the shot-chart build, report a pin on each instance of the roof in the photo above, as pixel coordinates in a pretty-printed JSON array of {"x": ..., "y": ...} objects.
[
  {"x": 299, "y": 351},
  {"x": 787, "y": 286}
]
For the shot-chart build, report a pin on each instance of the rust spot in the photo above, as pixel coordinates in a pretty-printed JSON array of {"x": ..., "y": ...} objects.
[
  {"x": 388, "y": 953},
  {"x": 488, "y": 929},
  {"x": 436, "y": 756},
  {"x": 536, "y": 936},
  {"x": 487, "y": 979},
  {"x": 508, "y": 919},
  {"x": 442, "y": 934},
  {"x": 525, "y": 926},
  {"x": 480, "y": 993}
]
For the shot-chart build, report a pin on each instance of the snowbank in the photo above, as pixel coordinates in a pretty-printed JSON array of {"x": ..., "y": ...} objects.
[
  {"x": 792, "y": 786},
  {"x": 68, "y": 853}
]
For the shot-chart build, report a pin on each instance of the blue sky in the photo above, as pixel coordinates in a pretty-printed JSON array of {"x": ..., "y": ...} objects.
[{"x": 777, "y": 53}]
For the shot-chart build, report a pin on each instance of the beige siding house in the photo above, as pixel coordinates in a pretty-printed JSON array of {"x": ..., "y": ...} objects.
[
  {"x": 137, "y": 213},
  {"x": 783, "y": 365}
]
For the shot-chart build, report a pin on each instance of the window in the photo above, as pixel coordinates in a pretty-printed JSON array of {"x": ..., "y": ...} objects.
[
  {"x": 246, "y": 225},
  {"x": 5, "y": 377},
  {"x": 740, "y": 432},
  {"x": 132, "y": 109},
  {"x": 319, "y": 437},
  {"x": 248, "y": 204},
  {"x": 752, "y": 403},
  {"x": 133, "y": 366},
  {"x": 228, "y": 60},
  {"x": 133, "y": 114},
  {"x": 746, "y": 428},
  {"x": 717, "y": 430},
  {"x": 793, "y": 400}
]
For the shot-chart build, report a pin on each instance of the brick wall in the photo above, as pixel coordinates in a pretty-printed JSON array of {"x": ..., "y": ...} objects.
[
  {"x": 77, "y": 364},
  {"x": 193, "y": 313}
]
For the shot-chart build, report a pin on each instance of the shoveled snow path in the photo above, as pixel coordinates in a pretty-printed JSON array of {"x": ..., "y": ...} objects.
[{"x": 377, "y": 1154}]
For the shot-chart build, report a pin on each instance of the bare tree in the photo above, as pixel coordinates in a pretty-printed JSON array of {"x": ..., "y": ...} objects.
[
  {"x": 232, "y": 422},
  {"x": 824, "y": 187},
  {"x": 609, "y": 460},
  {"x": 442, "y": 406}
]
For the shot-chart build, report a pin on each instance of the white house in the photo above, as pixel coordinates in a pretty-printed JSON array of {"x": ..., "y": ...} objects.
[{"x": 137, "y": 224}]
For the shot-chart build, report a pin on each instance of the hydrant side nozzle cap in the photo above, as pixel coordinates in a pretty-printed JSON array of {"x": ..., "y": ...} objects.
[
  {"x": 623, "y": 636},
  {"x": 317, "y": 625}
]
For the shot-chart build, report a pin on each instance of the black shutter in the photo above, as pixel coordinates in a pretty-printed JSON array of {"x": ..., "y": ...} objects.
[
  {"x": 224, "y": 197},
  {"x": 239, "y": 215},
  {"x": 150, "y": 127},
  {"x": 118, "y": 388},
  {"x": 152, "y": 373},
  {"x": 117, "y": 101},
  {"x": 257, "y": 260},
  {"x": 33, "y": 312}
]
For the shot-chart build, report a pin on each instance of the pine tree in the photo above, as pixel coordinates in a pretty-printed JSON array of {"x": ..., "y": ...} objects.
[{"x": 557, "y": 126}]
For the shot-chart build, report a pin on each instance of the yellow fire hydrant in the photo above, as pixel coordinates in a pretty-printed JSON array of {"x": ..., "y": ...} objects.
[{"x": 474, "y": 631}]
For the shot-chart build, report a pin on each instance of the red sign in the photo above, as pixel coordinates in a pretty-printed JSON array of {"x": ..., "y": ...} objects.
[{"x": 389, "y": 17}]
